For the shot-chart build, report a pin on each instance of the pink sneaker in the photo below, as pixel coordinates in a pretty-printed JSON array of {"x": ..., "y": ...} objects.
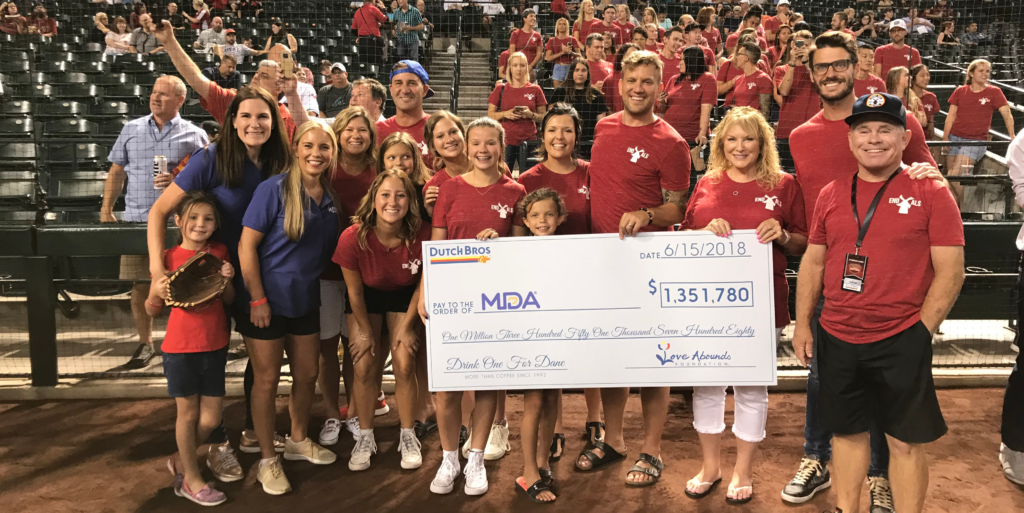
[
  {"x": 179, "y": 478},
  {"x": 208, "y": 496}
]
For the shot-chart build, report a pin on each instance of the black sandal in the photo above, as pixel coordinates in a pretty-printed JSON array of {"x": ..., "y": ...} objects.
[
  {"x": 534, "y": 490},
  {"x": 654, "y": 470},
  {"x": 556, "y": 447},
  {"x": 593, "y": 432},
  {"x": 547, "y": 477},
  {"x": 596, "y": 462}
]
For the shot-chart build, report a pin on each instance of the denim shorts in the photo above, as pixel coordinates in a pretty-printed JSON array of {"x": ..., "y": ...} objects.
[
  {"x": 972, "y": 152},
  {"x": 191, "y": 374},
  {"x": 560, "y": 72}
]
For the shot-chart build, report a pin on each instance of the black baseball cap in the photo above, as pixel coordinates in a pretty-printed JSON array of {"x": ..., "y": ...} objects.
[{"x": 879, "y": 104}]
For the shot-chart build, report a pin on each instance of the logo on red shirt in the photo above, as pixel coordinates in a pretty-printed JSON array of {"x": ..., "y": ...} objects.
[
  {"x": 751, "y": 85},
  {"x": 770, "y": 202},
  {"x": 904, "y": 203},
  {"x": 503, "y": 210},
  {"x": 423, "y": 148},
  {"x": 584, "y": 190},
  {"x": 872, "y": 89},
  {"x": 413, "y": 266},
  {"x": 694, "y": 86},
  {"x": 528, "y": 96},
  {"x": 637, "y": 154},
  {"x": 928, "y": 108},
  {"x": 983, "y": 101}
]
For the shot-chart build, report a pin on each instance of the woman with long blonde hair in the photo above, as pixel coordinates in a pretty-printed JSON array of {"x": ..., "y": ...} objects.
[
  {"x": 897, "y": 83},
  {"x": 560, "y": 49},
  {"x": 518, "y": 105},
  {"x": 651, "y": 18},
  {"x": 584, "y": 24},
  {"x": 289, "y": 234},
  {"x": 744, "y": 189}
]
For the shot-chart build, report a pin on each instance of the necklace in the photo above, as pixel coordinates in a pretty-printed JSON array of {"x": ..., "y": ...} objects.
[{"x": 486, "y": 189}]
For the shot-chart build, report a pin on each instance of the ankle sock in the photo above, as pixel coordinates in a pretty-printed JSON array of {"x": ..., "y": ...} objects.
[{"x": 266, "y": 461}]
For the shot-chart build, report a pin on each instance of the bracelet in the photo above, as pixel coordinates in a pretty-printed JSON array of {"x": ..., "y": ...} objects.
[
  {"x": 258, "y": 302},
  {"x": 153, "y": 305},
  {"x": 788, "y": 237},
  {"x": 650, "y": 216}
]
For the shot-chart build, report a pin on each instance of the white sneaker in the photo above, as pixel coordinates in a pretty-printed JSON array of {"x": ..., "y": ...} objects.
[
  {"x": 365, "y": 447},
  {"x": 409, "y": 446},
  {"x": 467, "y": 446},
  {"x": 222, "y": 462},
  {"x": 271, "y": 475},
  {"x": 1013, "y": 464},
  {"x": 352, "y": 425},
  {"x": 476, "y": 476},
  {"x": 309, "y": 451},
  {"x": 497, "y": 443},
  {"x": 330, "y": 432},
  {"x": 444, "y": 481}
]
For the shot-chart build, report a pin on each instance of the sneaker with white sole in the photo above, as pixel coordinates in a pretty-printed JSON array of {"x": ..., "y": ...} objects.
[
  {"x": 467, "y": 445},
  {"x": 366, "y": 446},
  {"x": 409, "y": 446},
  {"x": 476, "y": 475},
  {"x": 223, "y": 463},
  {"x": 250, "y": 445},
  {"x": 811, "y": 478},
  {"x": 307, "y": 450},
  {"x": 1013, "y": 464},
  {"x": 271, "y": 476},
  {"x": 880, "y": 494},
  {"x": 444, "y": 481},
  {"x": 207, "y": 496},
  {"x": 381, "y": 408},
  {"x": 179, "y": 478},
  {"x": 352, "y": 425},
  {"x": 330, "y": 432},
  {"x": 497, "y": 443}
]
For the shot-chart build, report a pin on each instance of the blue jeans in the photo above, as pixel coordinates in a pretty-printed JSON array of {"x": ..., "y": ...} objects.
[
  {"x": 410, "y": 51},
  {"x": 818, "y": 441}
]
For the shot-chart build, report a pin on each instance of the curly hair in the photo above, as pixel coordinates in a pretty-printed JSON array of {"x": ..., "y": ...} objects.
[
  {"x": 365, "y": 216},
  {"x": 769, "y": 172}
]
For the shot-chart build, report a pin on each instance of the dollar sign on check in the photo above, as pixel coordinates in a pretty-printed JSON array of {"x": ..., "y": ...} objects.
[{"x": 654, "y": 290}]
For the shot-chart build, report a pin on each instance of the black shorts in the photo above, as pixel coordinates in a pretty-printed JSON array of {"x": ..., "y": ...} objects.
[
  {"x": 191, "y": 374},
  {"x": 889, "y": 381},
  {"x": 383, "y": 301},
  {"x": 279, "y": 325}
]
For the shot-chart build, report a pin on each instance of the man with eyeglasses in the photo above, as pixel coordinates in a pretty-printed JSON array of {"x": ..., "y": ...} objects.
[{"x": 819, "y": 161}]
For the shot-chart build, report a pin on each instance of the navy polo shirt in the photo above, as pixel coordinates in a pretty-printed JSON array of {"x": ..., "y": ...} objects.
[{"x": 291, "y": 270}]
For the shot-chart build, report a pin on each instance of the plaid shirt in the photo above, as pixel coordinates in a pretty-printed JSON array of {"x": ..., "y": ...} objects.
[{"x": 411, "y": 18}]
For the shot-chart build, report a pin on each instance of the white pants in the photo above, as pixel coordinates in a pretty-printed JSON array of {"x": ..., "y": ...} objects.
[{"x": 751, "y": 410}]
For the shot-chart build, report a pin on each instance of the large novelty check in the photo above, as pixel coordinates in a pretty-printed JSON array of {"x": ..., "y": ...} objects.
[{"x": 660, "y": 309}]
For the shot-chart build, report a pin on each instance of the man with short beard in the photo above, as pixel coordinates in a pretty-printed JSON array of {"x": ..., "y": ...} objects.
[
  {"x": 896, "y": 53},
  {"x": 212, "y": 36},
  {"x": 819, "y": 160},
  {"x": 636, "y": 158}
]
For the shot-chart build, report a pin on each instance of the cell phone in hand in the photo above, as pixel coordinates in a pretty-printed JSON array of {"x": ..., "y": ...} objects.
[
  {"x": 287, "y": 65},
  {"x": 799, "y": 43}
]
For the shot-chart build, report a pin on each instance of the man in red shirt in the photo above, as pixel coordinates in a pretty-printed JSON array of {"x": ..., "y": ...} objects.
[
  {"x": 889, "y": 263},
  {"x": 600, "y": 69},
  {"x": 799, "y": 100},
  {"x": 864, "y": 81},
  {"x": 896, "y": 53},
  {"x": 367, "y": 20},
  {"x": 214, "y": 98},
  {"x": 609, "y": 28},
  {"x": 670, "y": 52},
  {"x": 45, "y": 26},
  {"x": 818, "y": 161},
  {"x": 622, "y": 21},
  {"x": 752, "y": 21},
  {"x": 839, "y": 22},
  {"x": 408, "y": 90},
  {"x": 772, "y": 24},
  {"x": 754, "y": 88},
  {"x": 692, "y": 36},
  {"x": 636, "y": 155}
]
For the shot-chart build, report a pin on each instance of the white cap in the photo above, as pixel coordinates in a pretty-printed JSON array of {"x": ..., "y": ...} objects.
[
  {"x": 900, "y": 24},
  {"x": 338, "y": 65},
  {"x": 744, "y": 1},
  {"x": 783, "y": 2}
]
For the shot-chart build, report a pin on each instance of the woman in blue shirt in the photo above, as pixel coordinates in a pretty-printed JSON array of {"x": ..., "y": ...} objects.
[{"x": 289, "y": 233}]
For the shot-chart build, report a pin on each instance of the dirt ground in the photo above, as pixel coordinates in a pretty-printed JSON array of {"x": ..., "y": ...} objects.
[{"x": 108, "y": 456}]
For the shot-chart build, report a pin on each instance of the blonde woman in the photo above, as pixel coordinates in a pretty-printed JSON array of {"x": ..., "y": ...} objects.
[
  {"x": 118, "y": 39},
  {"x": 561, "y": 49},
  {"x": 202, "y": 18},
  {"x": 101, "y": 23},
  {"x": 585, "y": 22},
  {"x": 518, "y": 105},
  {"x": 651, "y": 18},
  {"x": 744, "y": 167},
  {"x": 897, "y": 83},
  {"x": 289, "y": 233}
]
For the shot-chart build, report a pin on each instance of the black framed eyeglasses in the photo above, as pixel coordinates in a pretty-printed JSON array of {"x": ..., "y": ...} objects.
[{"x": 821, "y": 68}]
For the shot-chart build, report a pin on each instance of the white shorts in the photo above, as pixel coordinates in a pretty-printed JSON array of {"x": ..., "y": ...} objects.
[{"x": 332, "y": 309}]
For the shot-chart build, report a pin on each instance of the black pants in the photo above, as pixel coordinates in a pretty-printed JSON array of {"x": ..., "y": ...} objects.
[
  {"x": 371, "y": 51},
  {"x": 1013, "y": 402}
]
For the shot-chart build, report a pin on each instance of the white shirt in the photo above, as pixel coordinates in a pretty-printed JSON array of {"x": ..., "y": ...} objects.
[
  {"x": 308, "y": 96},
  {"x": 1015, "y": 161}
]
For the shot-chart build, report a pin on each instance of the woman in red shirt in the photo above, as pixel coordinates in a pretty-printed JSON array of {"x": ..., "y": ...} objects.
[
  {"x": 560, "y": 49},
  {"x": 744, "y": 189},
  {"x": 445, "y": 135},
  {"x": 897, "y": 83},
  {"x": 202, "y": 18},
  {"x": 780, "y": 46},
  {"x": 687, "y": 102},
  {"x": 352, "y": 176},
  {"x": 610, "y": 88},
  {"x": 651, "y": 18},
  {"x": 706, "y": 19},
  {"x": 518, "y": 105},
  {"x": 979, "y": 100},
  {"x": 584, "y": 23},
  {"x": 381, "y": 256},
  {"x": 478, "y": 204},
  {"x": 919, "y": 80},
  {"x": 528, "y": 41}
]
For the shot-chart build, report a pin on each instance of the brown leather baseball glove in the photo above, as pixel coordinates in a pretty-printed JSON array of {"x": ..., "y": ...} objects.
[{"x": 196, "y": 281}]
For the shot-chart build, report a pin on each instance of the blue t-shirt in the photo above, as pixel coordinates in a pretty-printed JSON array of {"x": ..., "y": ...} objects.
[{"x": 291, "y": 270}]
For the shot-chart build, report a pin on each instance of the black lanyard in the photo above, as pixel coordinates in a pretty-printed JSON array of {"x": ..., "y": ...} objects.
[{"x": 871, "y": 209}]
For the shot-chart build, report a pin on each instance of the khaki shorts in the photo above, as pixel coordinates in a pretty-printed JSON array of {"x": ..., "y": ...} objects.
[{"x": 134, "y": 268}]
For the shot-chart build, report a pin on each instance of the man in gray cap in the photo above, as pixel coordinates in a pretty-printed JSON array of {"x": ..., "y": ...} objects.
[{"x": 333, "y": 98}]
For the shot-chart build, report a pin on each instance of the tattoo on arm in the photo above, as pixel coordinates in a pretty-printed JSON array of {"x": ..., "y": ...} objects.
[{"x": 677, "y": 198}]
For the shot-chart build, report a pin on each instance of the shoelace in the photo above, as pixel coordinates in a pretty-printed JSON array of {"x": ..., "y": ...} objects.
[
  {"x": 228, "y": 458},
  {"x": 501, "y": 438},
  {"x": 808, "y": 468},
  {"x": 473, "y": 472},
  {"x": 275, "y": 469},
  {"x": 448, "y": 471},
  {"x": 881, "y": 495},
  {"x": 409, "y": 442},
  {"x": 332, "y": 425},
  {"x": 365, "y": 445}
]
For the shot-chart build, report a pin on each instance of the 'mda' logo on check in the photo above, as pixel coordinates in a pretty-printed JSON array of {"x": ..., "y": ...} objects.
[{"x": 509, "y": 301}]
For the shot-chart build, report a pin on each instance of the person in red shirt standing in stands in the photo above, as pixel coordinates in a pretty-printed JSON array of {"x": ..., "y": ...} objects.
[
  {"x": 622, "y": 21},
  {"x": 611, "y": 84},
  {"x": 794, "y": 91},
  {"x": 636, "y": 156},
  {"x": 886, "y": 253},
  {"x": 600, "y": 69},
  {"x": 840, "y": 20},
  {"x": 979, "y": 100},
  {"x": 896, "y": 53},
  {"x": 560, "y": 8},
  {"x": 864, "y": 81},
  {"x": 752, "y": 21},
  {"x": 610, "y": 30},
  {"x": 584, "y": 25},
  {"x": 754, "y": 88},
  {"x": 687, "y": 101},
  {"x": 214, "y": 98},
  {"x": 669, "y": 54},
  {"x": 409, "y": 87},
  {"x": 692, "y": 38},
  {"x": 919, "y": 79},
  {"x": 706, "y": 19},
  {"x": 560, "y": 49},
  {"x": 517, "y": 105},
  {"x": 819, "y": 161},
  {"x": 367, "y": 21},
  {"x": 774, "y": 23},
  {"x": 528, "y": 41}
]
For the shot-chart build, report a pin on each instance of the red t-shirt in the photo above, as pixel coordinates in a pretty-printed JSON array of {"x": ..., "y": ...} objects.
[
  {"x": 821, "y": 155},
  {"x": 466, "y": 210},
  {"x": 610, "y": 89},
  {"x": 629, "y": 166},
  {"x": 850, "y": 32},
  {"x": 367, "y": 20},
  {"x": 219, "y": 4},
  {"x": 974, "y": 111},
  {"x": 351, "y": 189},
  {"x": 685, "y": 99},
  {"x": 202, "y": 20},
  {"x": 890, "y": 57},
  {"x": 203, "y": 327},
  {"x": 727, "y": 73},
  {"x": 47, "y": 26},
  {"x": 772, "y": 24},
  {"x": 801, "y": 104},
  {"x": 440, "y": 177},
  {"x": 656, "y": 48},
  {"x": 669, "y": 67},
  {"x": 747, "y": 93},
  {"x": 627, "y": 30},
  {"x": 869, "y": 85},
  {"x": 588, "y": 28},
  {"x": 745, "y": 206},
  {"x": 714, "y": 38},
  {"x": 517, "y": 131},
  {"x": 218, "y": 100},
  {"x": 574, "y": 188},
  {"x": 503, "y": 60},
  {"x": 529, "y": 44},
  {"x": 930, "y": 104},
  {"x": 554, "y": 45},
  {"x": 912, "y": 216},
  {"x": 730, "y": 42},
  {"x": 382, "y": 268},
  {"x": 415, "y": 130},
  {"x": 773, "y": 56},
  {"x": 559, "y": 7},
  {"x": 599, "y": 70},
  {"x": 614, "y": 31}
]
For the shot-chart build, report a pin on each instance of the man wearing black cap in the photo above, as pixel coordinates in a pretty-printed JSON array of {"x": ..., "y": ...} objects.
[
  {"x": 886, "y": 252},
  {"x": 334, "y": 97}
]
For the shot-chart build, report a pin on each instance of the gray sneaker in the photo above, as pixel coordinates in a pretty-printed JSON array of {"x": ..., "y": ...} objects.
[
  {"x": 881, "y": 495},
  {"x": 1013, "y": 464}
]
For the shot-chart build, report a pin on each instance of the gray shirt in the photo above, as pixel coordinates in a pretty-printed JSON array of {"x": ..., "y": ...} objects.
[
  {"x": 143, "y": 42},
  {"x": 209, "y": 37},
  {"x": 333, "y": 100}
]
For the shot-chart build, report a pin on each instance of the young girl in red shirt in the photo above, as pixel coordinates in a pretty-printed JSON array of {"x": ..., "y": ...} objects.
[{"x": 194, "y": 348}]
